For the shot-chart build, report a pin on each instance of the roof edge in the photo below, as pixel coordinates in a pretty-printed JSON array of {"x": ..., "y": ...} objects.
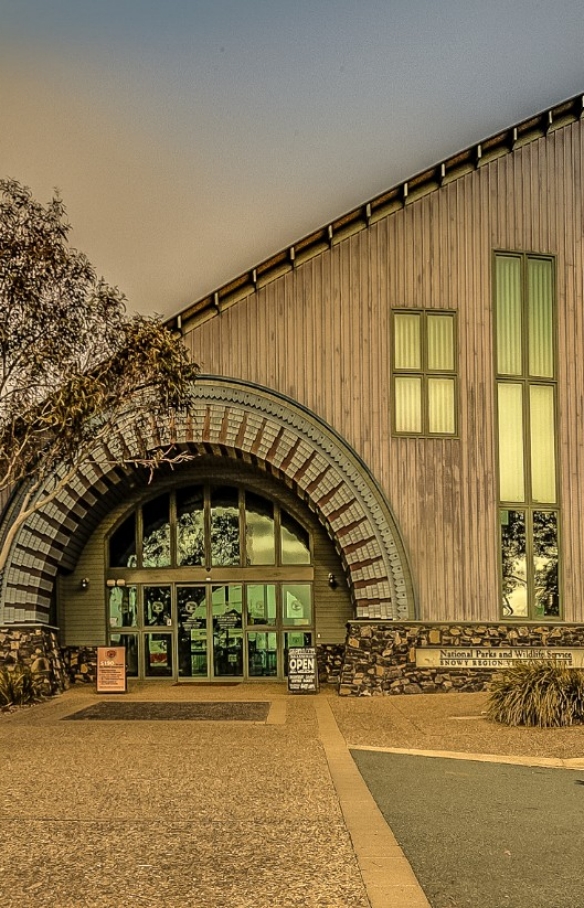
[{"x": 399, "y": 196}]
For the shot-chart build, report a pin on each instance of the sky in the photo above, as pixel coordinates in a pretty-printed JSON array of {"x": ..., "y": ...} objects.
[{"x": 191, "y": 139}]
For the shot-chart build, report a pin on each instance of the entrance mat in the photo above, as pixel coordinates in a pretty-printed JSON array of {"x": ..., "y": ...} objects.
[{"x": 169, "y": 711}]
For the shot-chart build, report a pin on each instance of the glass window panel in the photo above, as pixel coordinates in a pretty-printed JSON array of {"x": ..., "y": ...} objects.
[
  {"x": 441, "y": 342},
  {"x": 192, "y": 631},
  {"x": 130, "y": 642},
  {"x": 545, "y": 564},
  {"x": 156, "y": 533},
  {"x": 158, "y": 655},
  {"x": 408, "y": 403},
  {"x": 122, "y": 547},
  {"x": 511, "y": 475},
  {"x": 441, "y": 417},
  {"x": 260, "y": 539},
  {"x": 295, "y": 541},
  {"x": 123, "y": 606},
  {"x": 296, "y": 603},
  {"x": 262, "y": 654},
  {"x": 227, "y": 606},
  {"x": 541, "y": 343},
  {"x": 261, "y": 603},
  {"x": 190, "y": 526},
  {"x": 225, "y": 541},
  {"x": 157, "y": 610},
  {"x": 508, "y": 284},
  {"x": 407, "y": 349},
  {"x": 543, "y": 460},
  {"x": 514, "y": 564}
]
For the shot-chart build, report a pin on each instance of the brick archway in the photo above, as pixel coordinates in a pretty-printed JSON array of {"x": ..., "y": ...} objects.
[{"x": 234, "y": 419}]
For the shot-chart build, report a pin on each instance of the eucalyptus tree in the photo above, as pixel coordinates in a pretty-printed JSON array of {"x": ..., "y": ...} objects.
[{"x": 72, "y": 361}]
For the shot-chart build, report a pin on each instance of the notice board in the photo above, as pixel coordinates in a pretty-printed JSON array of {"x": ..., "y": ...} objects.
[
  {"x": 111, "y": 670},
  {"x": 302, "y": 670}
]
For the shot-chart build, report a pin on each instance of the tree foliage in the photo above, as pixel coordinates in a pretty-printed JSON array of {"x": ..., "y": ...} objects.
[{"x": 71, "y": 359}]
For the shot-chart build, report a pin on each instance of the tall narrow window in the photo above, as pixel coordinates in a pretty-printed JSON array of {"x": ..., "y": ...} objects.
[
  {"x": 424, "y": 373},
  {"x": 526, "y": 400}
]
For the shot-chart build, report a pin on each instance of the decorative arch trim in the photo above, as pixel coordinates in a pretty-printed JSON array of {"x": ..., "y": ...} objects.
[{"x": 234, "y": 419}]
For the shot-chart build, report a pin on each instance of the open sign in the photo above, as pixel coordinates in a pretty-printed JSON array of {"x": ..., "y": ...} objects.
[{"x": 302, "y": 670}]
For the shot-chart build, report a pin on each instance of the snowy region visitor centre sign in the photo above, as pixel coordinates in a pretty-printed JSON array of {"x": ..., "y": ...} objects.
[{"x": 495, "y": 657}]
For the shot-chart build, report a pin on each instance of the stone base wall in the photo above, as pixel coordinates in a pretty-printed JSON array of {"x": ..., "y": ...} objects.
[
  {"x": 38, "y": 648},
  {"x": 81, "y": 664},
  {"x": 380, "y": 658},
  {"x": 330, "y": 658}
]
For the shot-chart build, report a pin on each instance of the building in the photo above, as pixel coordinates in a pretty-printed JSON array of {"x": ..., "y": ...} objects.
[{"x": 389, "y": 451}]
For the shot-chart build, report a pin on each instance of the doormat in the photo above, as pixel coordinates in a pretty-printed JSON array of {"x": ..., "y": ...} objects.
[{"x": 171, "y": 712}]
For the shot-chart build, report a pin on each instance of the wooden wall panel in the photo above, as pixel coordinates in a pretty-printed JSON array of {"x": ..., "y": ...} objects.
[{"x": 321, "y": 334}]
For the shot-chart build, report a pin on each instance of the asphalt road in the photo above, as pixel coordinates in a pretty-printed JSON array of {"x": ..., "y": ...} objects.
[{"x": 486, "y": 835}]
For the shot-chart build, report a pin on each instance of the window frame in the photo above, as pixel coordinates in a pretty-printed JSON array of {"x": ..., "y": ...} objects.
[
  {"x": 424, "y": 373},
  {"x": 528, "y": 505}
]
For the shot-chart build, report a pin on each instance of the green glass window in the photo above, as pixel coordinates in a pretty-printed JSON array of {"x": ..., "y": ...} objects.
[
  {"x": 424, "y": 380},
  {"x": 526, "y": 401},
  {"x": 156, "y": 532},
  {"x": 190, "y": 516}
]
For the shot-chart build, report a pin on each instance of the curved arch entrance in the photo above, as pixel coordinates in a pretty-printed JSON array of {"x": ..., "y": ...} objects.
[{"x": 235, "y": 420}]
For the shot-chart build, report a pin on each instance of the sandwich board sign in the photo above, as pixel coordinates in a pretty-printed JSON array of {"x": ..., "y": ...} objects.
[
  {"x": 111, "y": 670},
  {"x": 302, "y": 670}
]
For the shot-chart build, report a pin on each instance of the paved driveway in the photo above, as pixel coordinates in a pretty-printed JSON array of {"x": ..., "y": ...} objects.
[{"x": 486, "y": 835}]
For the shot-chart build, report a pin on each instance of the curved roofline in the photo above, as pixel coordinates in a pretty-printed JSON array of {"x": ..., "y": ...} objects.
[{"x": 399, "y": 196}]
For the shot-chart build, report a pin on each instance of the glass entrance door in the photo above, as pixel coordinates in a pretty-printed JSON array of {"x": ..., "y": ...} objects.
[{"x": 227, "y": 617}]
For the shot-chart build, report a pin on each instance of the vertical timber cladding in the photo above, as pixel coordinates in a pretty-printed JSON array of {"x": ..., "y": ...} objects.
[
  {"x": 321, "y": 334},
  {"x": 259, "y": 426}
]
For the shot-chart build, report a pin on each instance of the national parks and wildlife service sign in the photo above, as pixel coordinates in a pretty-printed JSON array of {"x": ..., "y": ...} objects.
[
  {"x": 495, "y": 657},
  {"x": 111, "y": 670}
]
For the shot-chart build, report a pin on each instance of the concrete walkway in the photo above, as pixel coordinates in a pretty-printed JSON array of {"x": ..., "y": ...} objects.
[{"x": 201, "y": 814}]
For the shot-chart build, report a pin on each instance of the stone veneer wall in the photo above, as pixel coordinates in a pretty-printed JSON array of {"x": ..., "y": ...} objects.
[
  {"x": 38, "y": 648},
  {"x": 380, "y": 657}
]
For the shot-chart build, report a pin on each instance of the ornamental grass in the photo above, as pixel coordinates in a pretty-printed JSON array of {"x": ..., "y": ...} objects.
[
  {"x": 19, "y": 686},
  {"x": 542, "y": 694}
]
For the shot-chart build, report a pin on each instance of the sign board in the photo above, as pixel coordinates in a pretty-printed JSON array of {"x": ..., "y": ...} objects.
[
  {"x": 495, "y": 657},
  {"x": 111, "y": 670},
  {"x": 302, "y": 670}
]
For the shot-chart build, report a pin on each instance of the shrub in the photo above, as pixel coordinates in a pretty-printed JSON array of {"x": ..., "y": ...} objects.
[
  {"x": 19, "y": 686},
  {"x": 542, "y": 694}
]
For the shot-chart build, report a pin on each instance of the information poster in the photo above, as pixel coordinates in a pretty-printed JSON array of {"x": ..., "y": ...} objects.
[
  {"x": 302, "y": 670},
  {"x": 111, "y": 670}
]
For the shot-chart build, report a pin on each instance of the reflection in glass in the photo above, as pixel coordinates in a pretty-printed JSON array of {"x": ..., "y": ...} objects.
[
  {"x": 262, "y": 654},
  {"x": 227, "y": 609},
  {"x": 514, "y": 564},
  {"x": 225, "y": 544},
  {"x": 260, "y": 540},
  {"x": 441, "y": 406},
  {"x": 295, "y": 541},
  {"x": 543, "y": 459},
  {"x": 545, "y": 563},
  {"x": 192, "y": 631},
  {"x": 123, "y": 608},
  {"x": 156, "y": 533},
  {"x": 157, "y": 610},
  {"x": 130, "y": 642},
  {"x": 407, "y": 349},
  {"x": 190, "y": 526},
  {"x": 296, "y": 603},
  {"x": 261, "y": 603},
  {"x": 408, "y": 403},
  {"x": 122, "y": 547},
  {"x": 158, "y": 655},
  {"x": 509, "y": 347},
  {"x": 511, "y": 476}
]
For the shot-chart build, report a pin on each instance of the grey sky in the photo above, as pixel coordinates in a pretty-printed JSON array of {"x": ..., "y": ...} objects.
[{"x": 190, "y": 140}]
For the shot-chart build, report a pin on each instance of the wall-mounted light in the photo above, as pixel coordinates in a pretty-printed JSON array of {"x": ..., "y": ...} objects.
[
  {"x": 84, "y": 585},
  {"x": 332, "y": 581}
]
